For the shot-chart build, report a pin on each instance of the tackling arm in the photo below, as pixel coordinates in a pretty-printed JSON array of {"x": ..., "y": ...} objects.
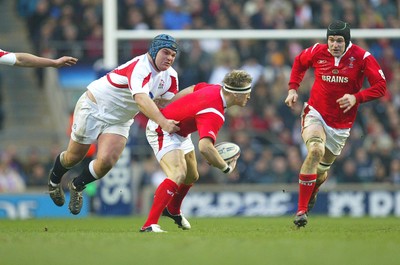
[
  {"x": 151, "y": 111},
  {"x": 182, "y": 93}
]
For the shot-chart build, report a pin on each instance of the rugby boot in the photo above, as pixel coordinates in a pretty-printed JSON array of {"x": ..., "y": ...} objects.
[{"x": 179, "y": 219}]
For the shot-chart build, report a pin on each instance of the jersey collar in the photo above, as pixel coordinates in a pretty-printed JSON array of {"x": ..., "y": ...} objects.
[{"x": 223, "y": 99}]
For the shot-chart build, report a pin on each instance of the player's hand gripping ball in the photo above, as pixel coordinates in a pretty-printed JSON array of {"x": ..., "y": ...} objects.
[{"x": 228, "y": 150}]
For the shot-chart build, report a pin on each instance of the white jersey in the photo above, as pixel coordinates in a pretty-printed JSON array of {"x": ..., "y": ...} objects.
[
  {"x": 114, "y": 92},
  {"x": 7, "y": 58}
]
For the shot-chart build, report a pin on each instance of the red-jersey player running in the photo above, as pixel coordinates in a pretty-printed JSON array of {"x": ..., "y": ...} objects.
[
  {"x": 30, "y": 60},
  {"x": 339, "y": 71},
  {"x": 197, "y": 108}
]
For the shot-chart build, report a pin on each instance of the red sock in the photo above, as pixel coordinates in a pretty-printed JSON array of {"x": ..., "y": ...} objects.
[
  {"x": 306, "y": 188},
  {"x": 174, "y": 206},
  {"x": 163, "y": 195}
]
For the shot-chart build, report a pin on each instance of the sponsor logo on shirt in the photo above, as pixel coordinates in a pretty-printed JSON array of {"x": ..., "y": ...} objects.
[{"x": 335, "y": 79}]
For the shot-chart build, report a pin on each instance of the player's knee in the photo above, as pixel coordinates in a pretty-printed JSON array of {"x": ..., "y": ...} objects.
[
  {"x": 179, "y": 178},
  {"x": 316, "y": 147},
  {"x": 105, "y": 164},
  {"x": 177, "y": 173},
  {"x": 192, "y": 178}
]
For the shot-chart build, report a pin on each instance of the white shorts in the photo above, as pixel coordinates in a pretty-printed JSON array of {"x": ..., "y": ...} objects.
[
  {"x": 88, "y": 125},
  {"x": 163, "y": 142},
  {"x": 335, "y": 138}
]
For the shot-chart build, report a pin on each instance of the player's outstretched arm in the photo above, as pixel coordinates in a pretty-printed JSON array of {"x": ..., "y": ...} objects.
[{"x": 30, "y": 60}]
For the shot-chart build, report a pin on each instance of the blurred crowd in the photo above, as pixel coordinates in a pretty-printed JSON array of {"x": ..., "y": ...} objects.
[{"x": 267, "y": 131}]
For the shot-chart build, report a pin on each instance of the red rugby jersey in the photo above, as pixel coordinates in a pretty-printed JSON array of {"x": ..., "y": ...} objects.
[
  {"x": 334, "y": 77},
  {"x": 202, "y": 111}
]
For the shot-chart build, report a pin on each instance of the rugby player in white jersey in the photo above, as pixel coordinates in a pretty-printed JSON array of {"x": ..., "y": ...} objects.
[{"x": 105, "y": 112}]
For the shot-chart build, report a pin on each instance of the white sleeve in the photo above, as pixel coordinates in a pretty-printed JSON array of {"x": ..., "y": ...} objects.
[{"x": 7, "y": 58}]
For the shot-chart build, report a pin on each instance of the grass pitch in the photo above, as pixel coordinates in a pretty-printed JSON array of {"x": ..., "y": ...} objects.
[{"x": 219, "y": 241}]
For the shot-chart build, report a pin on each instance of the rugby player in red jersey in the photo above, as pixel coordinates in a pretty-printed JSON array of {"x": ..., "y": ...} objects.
[
  {"x": 197, "y": 108},
  {"x": 340, "y": 68}
]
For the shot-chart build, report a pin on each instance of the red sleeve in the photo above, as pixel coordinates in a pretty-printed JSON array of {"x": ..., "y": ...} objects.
[
  {"x": 301, "y": 63},
  {"x": 2, "y": 53},
  {"x": 208, "y": 125},
  {"x": 376, "y": 79}
]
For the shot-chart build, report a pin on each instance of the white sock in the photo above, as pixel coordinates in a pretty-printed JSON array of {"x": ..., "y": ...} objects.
[{"x": 91, "y": 169}]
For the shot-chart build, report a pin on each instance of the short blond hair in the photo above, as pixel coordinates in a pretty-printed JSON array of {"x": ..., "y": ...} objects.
[{"x": 237, "y": 81}]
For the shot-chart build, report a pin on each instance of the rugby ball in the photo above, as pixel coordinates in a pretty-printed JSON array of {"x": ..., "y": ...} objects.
[{"x": 227, "y": 150}]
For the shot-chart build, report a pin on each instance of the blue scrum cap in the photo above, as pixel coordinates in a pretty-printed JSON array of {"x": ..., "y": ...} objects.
[
  {"x": 339, "y": 28},
  {"x": 162, "y": 41}
]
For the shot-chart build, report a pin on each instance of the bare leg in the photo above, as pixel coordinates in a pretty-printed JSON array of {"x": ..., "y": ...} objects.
[
  {"x": 314, "y": 138},
  {"x": 110, "y": 147},
  {"x": 174, "y": 207},
  {"x": 64, "y": 162}
]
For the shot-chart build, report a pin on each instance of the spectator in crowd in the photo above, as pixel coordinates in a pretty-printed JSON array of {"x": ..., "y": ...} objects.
[
  {"x": 10, "y": 179},
  {"x": 135, "y": 19},
  {"x": 225, "y": 60},
  {"x": 365, "y": 167},
  {"x": 37, "y": 176},
  {"x": 175, "y": 17},
  {"x": 280, "y": 169},
  {"x": 209, "y": 175},
  {"x": 32, "y": 164},
  {"x": 195, "y": 62},
  {"x": 246, "y": 167},
  {"x": 94, "y": 44},
  {"x": 15, "y": 160},
  {"x": 395, "y": 171},
  {"x": 303, "y": 15},
  {"x": 348, "y": 174},
  {"x": 36, "y": 19},
  {"x": 150, "y": 176},
  {"x": 152, "y": 14}
]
